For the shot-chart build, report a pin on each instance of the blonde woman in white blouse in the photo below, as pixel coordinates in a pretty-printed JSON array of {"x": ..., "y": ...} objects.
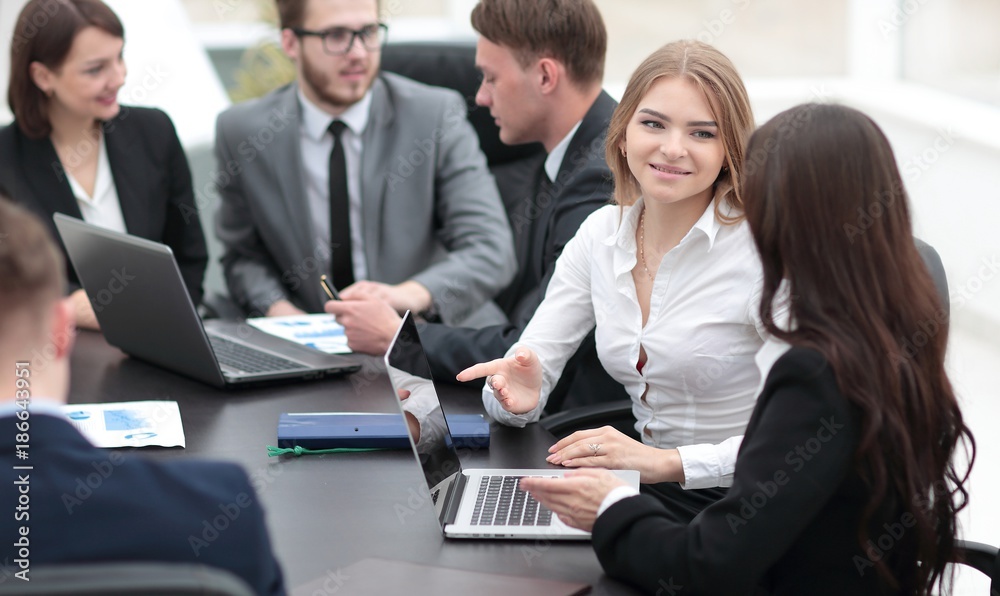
[{"x": 671, "y": 280}]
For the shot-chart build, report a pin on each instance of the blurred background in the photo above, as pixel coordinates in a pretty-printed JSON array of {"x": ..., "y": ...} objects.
[{"x": 928, "y": 71}]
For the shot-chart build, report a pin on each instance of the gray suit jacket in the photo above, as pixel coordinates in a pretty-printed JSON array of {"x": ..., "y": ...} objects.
[{"x": 431, "y": 211}]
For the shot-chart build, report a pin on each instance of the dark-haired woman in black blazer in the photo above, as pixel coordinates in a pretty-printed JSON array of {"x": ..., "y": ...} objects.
[
  {"x": 73, "y": 149},
  {"x": 844, "y": 483}
]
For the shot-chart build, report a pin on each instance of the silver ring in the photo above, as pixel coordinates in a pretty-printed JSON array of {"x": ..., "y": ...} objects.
[
  {"x": 489, "y": 382},
  {"x": 596, "y": 448}
]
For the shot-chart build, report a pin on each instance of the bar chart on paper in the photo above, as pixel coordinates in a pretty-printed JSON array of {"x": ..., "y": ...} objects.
[{"x": 318, "y": 331}]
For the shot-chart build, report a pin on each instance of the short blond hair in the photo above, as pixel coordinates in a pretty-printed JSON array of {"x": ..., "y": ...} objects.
[{"x": 727, "y": 97}]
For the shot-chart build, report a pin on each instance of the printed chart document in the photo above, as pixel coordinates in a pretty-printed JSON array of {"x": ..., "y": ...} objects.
[
  {"x": 318, "y": 331},
  {"x": 129, "y": 424}
]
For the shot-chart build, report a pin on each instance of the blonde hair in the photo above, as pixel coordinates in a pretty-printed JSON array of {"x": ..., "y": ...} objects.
[{"x": 723, "y": 88}]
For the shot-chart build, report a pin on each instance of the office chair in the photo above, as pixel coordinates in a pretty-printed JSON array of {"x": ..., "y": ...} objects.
[
  {"x": 619, "y": 413},
  {"x": 453, "y": 65},
  {"x": 126, "y": 578},
  {"x": 982, "y": 557}
]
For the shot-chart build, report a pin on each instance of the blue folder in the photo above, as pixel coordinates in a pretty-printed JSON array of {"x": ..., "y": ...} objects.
[{"x": 362, "y": 430}]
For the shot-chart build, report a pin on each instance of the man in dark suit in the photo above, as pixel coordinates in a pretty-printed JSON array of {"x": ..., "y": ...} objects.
[
  {"x": 374, "y": 179},
  {"x": 69, "y": 502},
  {"x": 542, "y": 65}
]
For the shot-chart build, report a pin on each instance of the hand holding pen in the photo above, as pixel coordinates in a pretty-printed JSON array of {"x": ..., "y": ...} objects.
[{"x": 330, "y": 290}]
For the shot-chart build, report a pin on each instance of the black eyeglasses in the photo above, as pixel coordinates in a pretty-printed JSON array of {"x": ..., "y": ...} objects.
[{"x": 339, "y": 40}]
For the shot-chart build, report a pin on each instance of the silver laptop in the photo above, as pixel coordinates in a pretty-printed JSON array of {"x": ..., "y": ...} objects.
[
  {"x": 478, "y": 503},
  {"x": 144, "y": 308}
]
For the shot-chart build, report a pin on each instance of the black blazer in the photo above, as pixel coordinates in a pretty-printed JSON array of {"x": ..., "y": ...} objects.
[
  {"x": 542, "y": 222},
  {"x": 788, "y": 525},
  {"x": 151, "y": 177},
  {"x": 90, "y": 504}
]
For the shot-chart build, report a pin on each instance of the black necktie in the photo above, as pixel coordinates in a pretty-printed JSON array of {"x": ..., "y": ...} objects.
[{"x": 341, "y": 266}]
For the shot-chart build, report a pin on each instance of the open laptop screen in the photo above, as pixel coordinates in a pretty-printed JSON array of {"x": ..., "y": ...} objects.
[{"x": 411, "y": 379}]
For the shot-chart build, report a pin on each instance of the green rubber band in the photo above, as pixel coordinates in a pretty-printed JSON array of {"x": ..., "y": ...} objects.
[{"x": 297, "y": 451}]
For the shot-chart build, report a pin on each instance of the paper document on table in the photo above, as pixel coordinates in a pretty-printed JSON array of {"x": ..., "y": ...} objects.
[
  {"x": 129, "y": 424},
  {"x": 320, "y": 331}
]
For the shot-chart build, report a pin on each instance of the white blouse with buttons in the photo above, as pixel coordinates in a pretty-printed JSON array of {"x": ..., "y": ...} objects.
[{"x": 699, "y": 384}]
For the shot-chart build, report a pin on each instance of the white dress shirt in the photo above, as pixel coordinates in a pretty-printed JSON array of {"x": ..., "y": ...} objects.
[
  {"x": 765, "y": 358},
  {"x": 553, "y": 162},
  {"x": 316, "y": 142},
  {"x": 703, "y": 330},
  {"x": 103, "y": 208}
]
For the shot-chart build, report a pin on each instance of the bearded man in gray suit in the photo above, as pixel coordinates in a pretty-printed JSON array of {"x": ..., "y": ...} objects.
[{"x": 373, "y": 179}]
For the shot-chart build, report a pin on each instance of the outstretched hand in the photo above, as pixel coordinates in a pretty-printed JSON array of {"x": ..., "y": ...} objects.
[{"x": 516, "y": 381}]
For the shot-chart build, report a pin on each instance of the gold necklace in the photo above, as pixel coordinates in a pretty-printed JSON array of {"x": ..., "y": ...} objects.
[{"x": 642, "y": 244}]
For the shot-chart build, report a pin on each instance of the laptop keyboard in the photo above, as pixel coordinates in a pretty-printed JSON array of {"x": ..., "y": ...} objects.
[
  {"x": 501, "y": 503},
  {"x": 240, "y": 357}
]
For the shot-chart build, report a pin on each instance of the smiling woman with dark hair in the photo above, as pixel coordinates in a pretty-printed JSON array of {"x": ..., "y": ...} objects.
[
  {"x": 845, "y": 481},
  {"x": 74, "y": 149}
]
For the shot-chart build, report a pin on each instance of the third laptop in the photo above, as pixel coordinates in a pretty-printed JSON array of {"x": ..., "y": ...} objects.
[{"x": 470, "y": 503}]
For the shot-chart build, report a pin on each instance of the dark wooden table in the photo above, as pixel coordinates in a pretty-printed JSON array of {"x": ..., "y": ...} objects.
[{"x": 328, "y": 511}]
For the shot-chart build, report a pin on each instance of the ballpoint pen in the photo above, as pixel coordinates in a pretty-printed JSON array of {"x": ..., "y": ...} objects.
[{"x": 330, "y": 291}]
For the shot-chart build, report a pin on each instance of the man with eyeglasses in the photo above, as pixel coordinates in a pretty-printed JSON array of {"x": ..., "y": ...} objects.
[{"x": 369, "y": 178}]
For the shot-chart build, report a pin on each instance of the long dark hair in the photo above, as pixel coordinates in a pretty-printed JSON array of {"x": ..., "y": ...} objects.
[{"x": 829, "y": 215}]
